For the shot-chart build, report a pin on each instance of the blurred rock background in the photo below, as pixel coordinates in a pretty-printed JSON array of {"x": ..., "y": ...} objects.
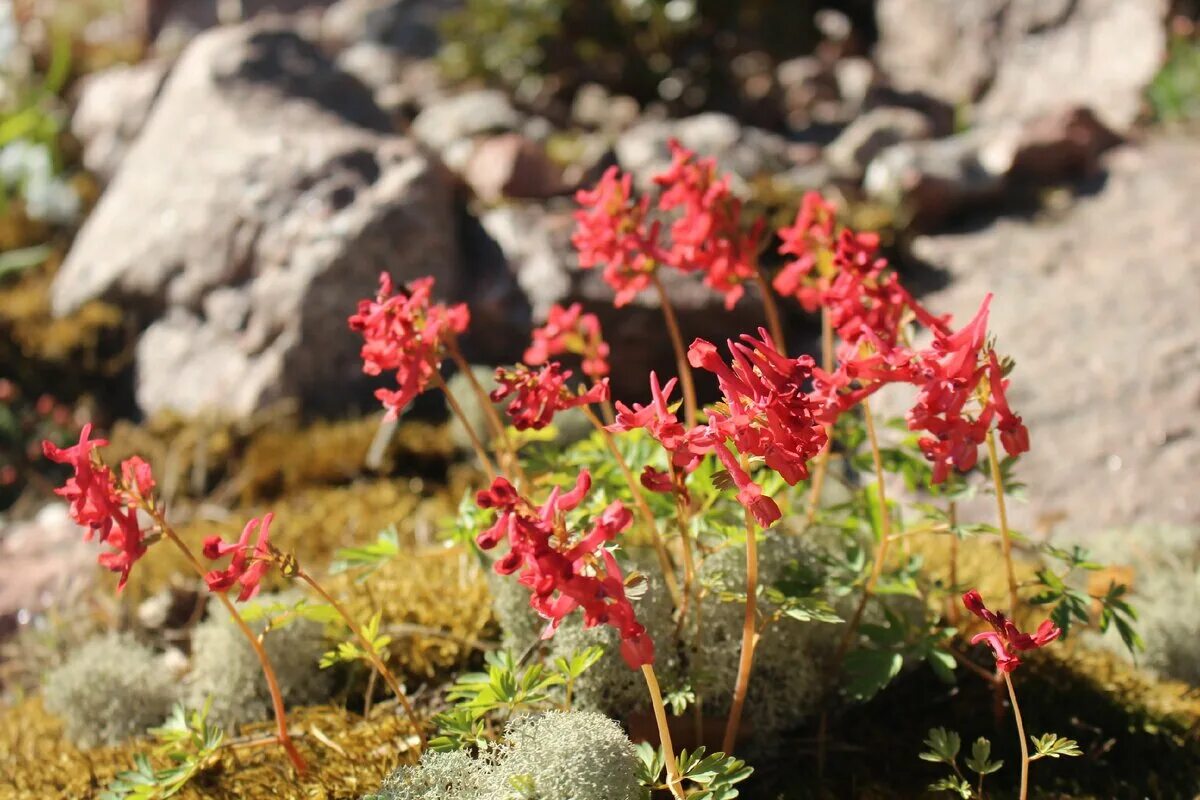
[{"x": 194, "y": 193}]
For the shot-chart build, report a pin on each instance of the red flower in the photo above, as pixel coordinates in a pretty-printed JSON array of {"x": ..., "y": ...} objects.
[
  {"x": 1013, "y": 433},
  {"x": 408, "y": 333},
  {"x": 767, "y": 413},
  {"x": 809, "y": 239},
  {"x": 100, "y": 505},
  {"x": 249, "y": 563},
  {"x": 542, "y": 394},
  {"x": 611, "y": 229},
  {"x": 564, "y": 573},
  {"x": 708, "y": 236},
  {"x": 1005, "y": 639},
  {"x": 569, "y": 330},
  {"x": 661, "y": 423}
]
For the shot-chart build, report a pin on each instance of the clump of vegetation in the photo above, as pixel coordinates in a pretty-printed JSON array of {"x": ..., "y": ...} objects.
[
  {"x": 110, "y": 689},
  {"x": 1175, "y": 92},
  {"x": 226, "y": 672},
  {"x": 452, "y": 775},
  {"x": 682, "y": 52}
]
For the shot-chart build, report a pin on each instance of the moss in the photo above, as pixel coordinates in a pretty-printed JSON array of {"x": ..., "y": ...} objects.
[
  {"x": 347, "y": 755},
  {"x": 110, "y": 689}
]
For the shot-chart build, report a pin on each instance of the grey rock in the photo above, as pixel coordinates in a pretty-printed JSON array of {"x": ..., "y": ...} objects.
[
  {"x": 511, "y": 165},
  {"x": 113, "y": 105},
  {"x": 1024, "y": 58},
  {"x": 458, "y": 118},
  {"x": 1099, "y": 311},
  {"x": 408, "y": 28},
  {"x": 44, "y": 565},
  {"x": 260, "y": 201},
  {"x": 594, "y": 107},
  {"x": 866, "y": 137}
]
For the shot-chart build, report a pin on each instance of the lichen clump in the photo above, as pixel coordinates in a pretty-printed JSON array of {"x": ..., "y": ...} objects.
[
  {"x": 110, "y": 689},
  {"x": 575, "y": 755},
  {"x": 225, "y": 669}
]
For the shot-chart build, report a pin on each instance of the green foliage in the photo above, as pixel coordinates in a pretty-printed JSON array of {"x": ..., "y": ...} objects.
[
  {"x": 1051, "y": 745},
  {"x": 705, "y": 777},
  {"x": 110, "y": 689},
  {"x": 1070, "y": 604},
  {"x": 225, "y": 668},
  {"x": 352, "y": 650},
  {"x": 370, "y": 557},
  {"x": 944, "y": 747},
  {"x": 187, "y": 741},
  {"x": 1175, "y": 92}
]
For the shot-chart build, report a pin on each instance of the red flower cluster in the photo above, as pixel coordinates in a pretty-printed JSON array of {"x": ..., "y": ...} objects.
[
  {"x": 560, "y": 575},
  {"x": 708, "y": 236},
  {"x": 97, "y": 502},
  {"x": 810, "y": 239},
  {"x": 613, "y": 228},
  {"x": 767, "y": 414},
  {"x": 661, "y": 423},
  {"x": 249, "y": 563},
  {"x": 1005, "y": 639},
  {"x": 569, "y": 330},
  {"x": 406, "y": 332},
  {"x": 540, "y": 394}
]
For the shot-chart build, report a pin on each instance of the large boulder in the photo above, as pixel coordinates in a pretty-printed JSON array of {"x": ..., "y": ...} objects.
[
  {"x": 1023, "y": 58},
  {"x": 262, "y": 198},
  {"x": 113, "y": 106},
  {"x": 1098, "y": 307}
]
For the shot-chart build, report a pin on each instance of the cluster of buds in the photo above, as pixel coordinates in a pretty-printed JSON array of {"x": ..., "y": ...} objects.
[
  {"x": 562, "y": 572},
  {"x": 706, "y": 236},
  {"x": 540, "y": 394},
  {"x": 406, "y": 332},
  {"x": 1005, "y": 638},
  {"x": 104, "y": 506},
  {"x": 569, "y": 330}
]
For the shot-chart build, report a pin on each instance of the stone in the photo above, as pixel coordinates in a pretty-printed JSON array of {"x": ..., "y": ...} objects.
[
  {"x": 113, "y": 105},
  {"x": 463, "y": 116},
  {"x": 936, "y": 178},
  {"x": 408, "y": 28},
  {"x": 44, "y": 564},
  {"x": 1061, "y": 145},
  {"x": 743, "y": 151},
  {"x": 511, "y": 165},
  {"x": 260, "y": 202},
  {"x": 1025, "y": 58},
  {"x": 400, "y": 86},
  {"x": 172, "y": 24},
  {"x": 594, "y": 107},
  {"x": 869, "y": 134},
  {"x": 1098, "y": 308}
]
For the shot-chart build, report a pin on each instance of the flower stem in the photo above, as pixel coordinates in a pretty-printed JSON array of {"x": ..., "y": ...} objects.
[
  {"x": 674, "y": 781},
  {"x": 496, "y": 424},
  {"x": 639, "y": 501},
  {"x": 818, "y": 480},
  {"x": 682, "y": 521},
  {"x": 885, "y": 525},
  {"x": 952, "y": 517},
  {"x": 480, "y": 450},
  {"x": 369, "y": 649},
  {"x": 285, "y": 740},
  {"x": 749, "y": 640},
  {"x": 1002, "y": 513},
  {"x": 771, "y": 308},
  {"x": 1012, "y": 696},
  {"x": 682, "y": 366}
]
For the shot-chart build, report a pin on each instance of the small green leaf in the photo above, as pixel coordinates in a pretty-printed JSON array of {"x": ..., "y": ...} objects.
[
  {"x": 943, "y": 746},
  {"x": 1051, "y": 745},
  {"x": 980, "y": 760}
]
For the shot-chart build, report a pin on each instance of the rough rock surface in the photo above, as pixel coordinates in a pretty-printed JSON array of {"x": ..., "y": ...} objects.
[
  {"x": 1022, "y": 58},
  {"x": 44, "y": 562},
  {"x": 113, "y": 107},
  {"x": 1098, "y": 308},
  {"x": 261, "y": 200}
]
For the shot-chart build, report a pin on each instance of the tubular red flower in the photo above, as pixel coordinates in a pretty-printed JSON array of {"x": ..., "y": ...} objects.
[
  {"x": 809, "y": 237},
  {"x": 611, "y": 229},
  {"x": 562, "y": 572},
  {"x": 660, "y": 422},
  {"x": 569, "y": 330},
  {"x": 249, "y": 563},
  {"x": 1005, "y": 639},
  {"x": 100, "y": 505},
  {"x": 405, "y": 332},
  {"x": 542, "y": 394}
]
